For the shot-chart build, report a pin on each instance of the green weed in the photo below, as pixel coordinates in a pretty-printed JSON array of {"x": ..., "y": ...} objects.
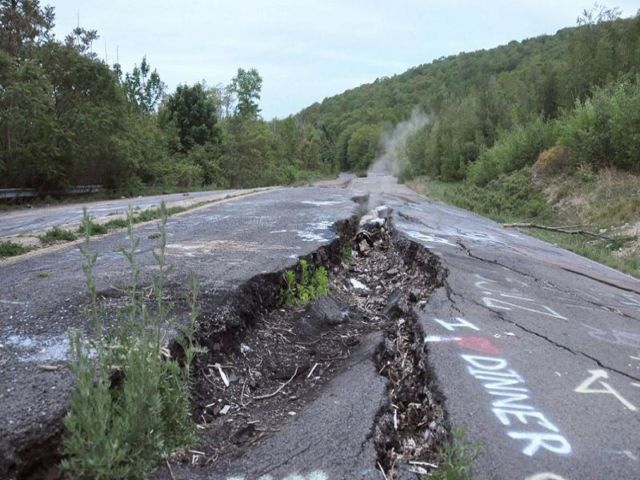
[
  {"x": 457, "y": 460},
  {"x": 155, "y": 213},
  {"x": 12, "y": 249},
  {"x": 116, "y": 223},
  {"x": 510, "y": 197},
  {"x": 346, "y": 254},
  {"x": 131, "y": 403},
  {"x": 310, "y": 284},
  {"x": 88, "y": 226},
  {"x": 57, "y": 234}
]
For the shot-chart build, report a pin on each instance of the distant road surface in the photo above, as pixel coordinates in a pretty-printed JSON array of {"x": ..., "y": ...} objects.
[{"x": 24, "y": 221}]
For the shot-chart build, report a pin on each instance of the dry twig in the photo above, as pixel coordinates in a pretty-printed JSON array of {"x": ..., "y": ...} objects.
[
  {"x": 169, "y": 468},
  {"x": 279, "y": 389},
  {"x": 564, "y": 229}
]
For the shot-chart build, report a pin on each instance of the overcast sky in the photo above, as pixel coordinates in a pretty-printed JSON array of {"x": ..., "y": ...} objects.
[{"x": 306, "y": 50}]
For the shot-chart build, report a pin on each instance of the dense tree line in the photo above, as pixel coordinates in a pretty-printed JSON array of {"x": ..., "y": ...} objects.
[
  {"x": 494, "y": 111},
  {"x": 68, "y": 118}
]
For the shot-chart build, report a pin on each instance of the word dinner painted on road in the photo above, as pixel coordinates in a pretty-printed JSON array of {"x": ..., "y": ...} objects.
[{"x": 511, "y": 402}]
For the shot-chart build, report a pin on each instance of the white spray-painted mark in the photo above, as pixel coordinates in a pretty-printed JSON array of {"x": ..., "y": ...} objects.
[
  {"x": 311, "y": 237},
  {"x": 508, "y": 306},
  {"x": 630, "y": 300},
  {"x": 429, "y": 238},
  {"x": 321, "y": 203},
  {"x": 460, "y": 323},
  {"x": 598, "y": 375},
  {"x": 614, "y": 337},
  {"x": 630, "y": 455},
  {"x": 480, "y": 238},
  {"x": 439, "y": 339},
  {"x": 504, "y": 382},
  {"x": 515, "y": 299},
  {"x": 13, "y": 302},
  {"x": 545, "y": 476},
  {"x": 511, "y": 280},
  {"x": 315, "y": 475},
  {"x": 315, "y": 232},
  {"x": 196, "y": 249}
]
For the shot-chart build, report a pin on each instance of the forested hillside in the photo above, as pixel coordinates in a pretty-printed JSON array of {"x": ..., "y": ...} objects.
[
  {"x": 494, "y": 111},
  {"x": 544, "y": 131},
  {"x": 68, "y": 118}
]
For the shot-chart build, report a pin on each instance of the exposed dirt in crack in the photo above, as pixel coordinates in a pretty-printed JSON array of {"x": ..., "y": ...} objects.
[{"x": 412, "y": 426}]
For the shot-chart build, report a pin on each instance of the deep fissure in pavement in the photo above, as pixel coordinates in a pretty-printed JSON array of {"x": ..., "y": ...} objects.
[
  {"x": 412, "y": 426},
  {"x": 265, "y": 362}
]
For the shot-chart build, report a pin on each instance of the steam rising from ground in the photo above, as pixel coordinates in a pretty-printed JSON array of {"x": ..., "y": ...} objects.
[{"x": 394, "y": 143}]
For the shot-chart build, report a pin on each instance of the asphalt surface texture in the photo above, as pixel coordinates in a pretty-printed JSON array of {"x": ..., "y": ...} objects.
[
  {"x": 37, "y": 220},
  {"x": 536, "y": 350}
]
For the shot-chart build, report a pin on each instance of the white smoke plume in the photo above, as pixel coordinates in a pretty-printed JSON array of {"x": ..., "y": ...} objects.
[{"x": 394, "y": 143}]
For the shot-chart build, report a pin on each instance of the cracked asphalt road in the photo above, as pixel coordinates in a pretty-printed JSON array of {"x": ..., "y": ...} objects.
[
  {"x": 536, "y": 350},
  {"x": 43, "y": 294},
  {"x": 37, "y": 220}
]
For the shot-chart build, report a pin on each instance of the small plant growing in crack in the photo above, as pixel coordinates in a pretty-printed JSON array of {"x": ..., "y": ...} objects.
[
  {"x": 89, "y": 227},
  {"x": 131, "y": 403},
  {"x": 346, "y": 253},
  {"x": 57, "y": 234},
  {"x": 457, "y": 460},
  {"x": 310, "y": 284},
  {"x": 12, "y": 249}
]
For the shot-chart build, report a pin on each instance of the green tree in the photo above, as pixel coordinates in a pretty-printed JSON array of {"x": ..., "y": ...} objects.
[
  {"x": 90, "y": 107},
  {"x": 82, "y": 40},
  {"x": 30, "y": 153},
  {"x": 363, "y": 147},
  {"x": 191, "y": 114},
  {"x": 245, "y": 159},
  {"x": 246, "y": 87},
  {"x": 143, "y": 87},
  {"x": 24, "y": 23}
]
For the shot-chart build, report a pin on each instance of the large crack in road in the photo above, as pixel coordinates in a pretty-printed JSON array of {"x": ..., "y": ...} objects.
[{"x": 265, "y": 377}]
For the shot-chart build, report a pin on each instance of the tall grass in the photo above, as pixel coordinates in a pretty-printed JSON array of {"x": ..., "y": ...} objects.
[{"x": 131, "y": 403}]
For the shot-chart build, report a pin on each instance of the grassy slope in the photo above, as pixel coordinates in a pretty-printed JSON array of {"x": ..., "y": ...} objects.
[{"x": 607, "y": 203}]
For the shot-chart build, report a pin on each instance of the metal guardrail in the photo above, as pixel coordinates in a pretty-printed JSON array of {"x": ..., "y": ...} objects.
[
  {"x": 10, "y": 193},
  {"x": 15, "y": 193}
]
